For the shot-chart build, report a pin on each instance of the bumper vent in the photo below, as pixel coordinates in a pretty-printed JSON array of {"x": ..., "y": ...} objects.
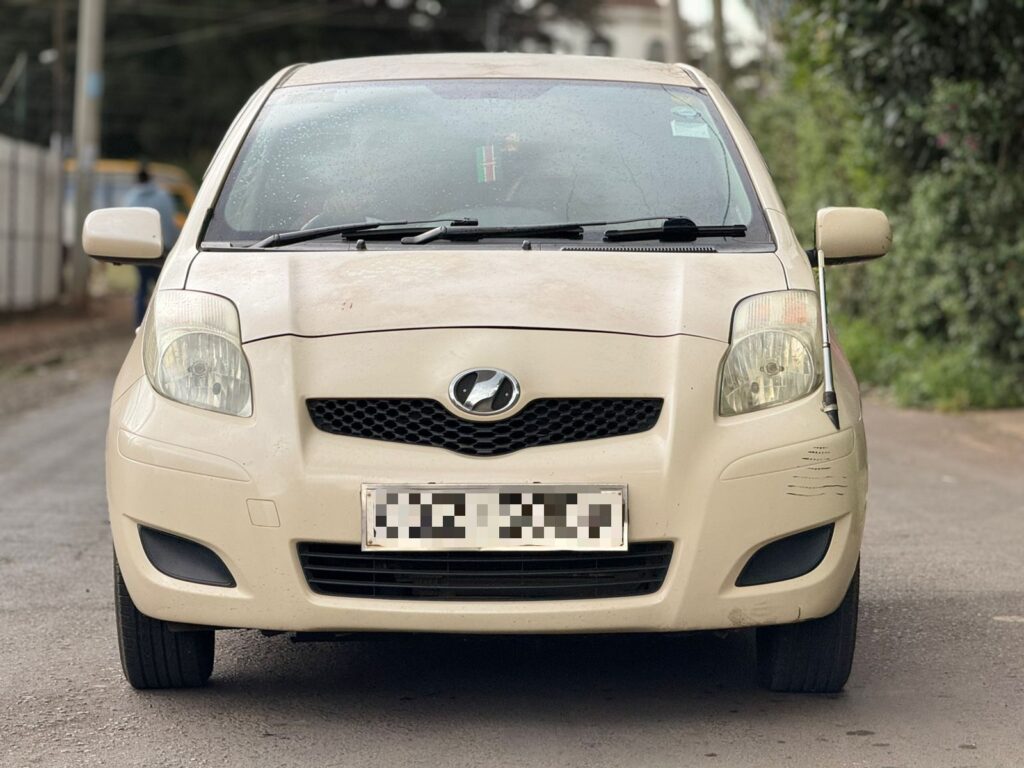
[
  {"x": 546, "y": 421},
  {"x": 345, "y": 570}
]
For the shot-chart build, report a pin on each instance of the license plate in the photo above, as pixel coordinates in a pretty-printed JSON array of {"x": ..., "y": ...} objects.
[{"x": 543, "y": 517}]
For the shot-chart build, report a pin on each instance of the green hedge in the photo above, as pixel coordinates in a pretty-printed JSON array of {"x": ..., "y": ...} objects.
[
  {"x": 917, "y": 372},
  {"x": 939, "y": 321}
]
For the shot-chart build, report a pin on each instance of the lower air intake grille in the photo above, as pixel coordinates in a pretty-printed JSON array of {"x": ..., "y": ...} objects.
[
  {"x": 345, "y": 570},
  {"x": 545, "y": 421}
]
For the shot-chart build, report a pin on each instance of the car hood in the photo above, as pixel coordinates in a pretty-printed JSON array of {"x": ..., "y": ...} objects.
[{"x": 323, "y": 293}]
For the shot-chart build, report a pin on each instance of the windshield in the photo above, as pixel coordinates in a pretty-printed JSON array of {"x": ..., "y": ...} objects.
[{"x": 503, "y": 152}]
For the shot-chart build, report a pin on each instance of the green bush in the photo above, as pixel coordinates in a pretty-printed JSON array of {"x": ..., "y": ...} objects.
[
  {"x": 956, "y": 273},
  {"x": 927, "y": 136},
  {"x": 917, "y": 372}
]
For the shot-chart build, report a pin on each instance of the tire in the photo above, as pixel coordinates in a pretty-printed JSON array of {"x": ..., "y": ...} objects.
[
  {"x": 812, "y": 656},
  {"x": 152, "y": 656}
]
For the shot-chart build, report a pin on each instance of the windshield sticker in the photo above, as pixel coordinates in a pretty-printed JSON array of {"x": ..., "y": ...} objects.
[
  {"x": 486, "y": 164},
  {"x": 691, "y": 129},
  {"x": 688, "y": 122}
]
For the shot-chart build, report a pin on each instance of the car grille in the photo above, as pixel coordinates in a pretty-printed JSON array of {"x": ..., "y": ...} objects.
[
  {"x": 546, "y": 421},
  {"x": 345, "y": 570}
]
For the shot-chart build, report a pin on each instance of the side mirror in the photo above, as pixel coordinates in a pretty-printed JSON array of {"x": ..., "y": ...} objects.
[
  {"x": 124, "y": 235},
  {"x": 849, "y": 235}
]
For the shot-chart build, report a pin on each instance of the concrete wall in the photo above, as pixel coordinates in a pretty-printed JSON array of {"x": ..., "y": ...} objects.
[{"x": 30, "y": 244}]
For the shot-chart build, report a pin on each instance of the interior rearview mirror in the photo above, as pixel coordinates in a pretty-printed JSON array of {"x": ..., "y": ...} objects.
[
  {"x": 123, "y": 235},
  {"x": 847, "y": 235}
]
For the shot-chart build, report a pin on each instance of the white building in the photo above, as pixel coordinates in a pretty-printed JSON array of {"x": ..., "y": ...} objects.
[
  {"x": 639, "y": 29},
  {"x": 635, "y": 29}
]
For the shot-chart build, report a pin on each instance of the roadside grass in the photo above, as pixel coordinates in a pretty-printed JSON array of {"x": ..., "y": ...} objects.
[{"x": 922, "y": 373}]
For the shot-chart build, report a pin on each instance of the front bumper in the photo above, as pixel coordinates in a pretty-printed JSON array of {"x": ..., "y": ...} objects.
[{"x": 252, "y": 489}]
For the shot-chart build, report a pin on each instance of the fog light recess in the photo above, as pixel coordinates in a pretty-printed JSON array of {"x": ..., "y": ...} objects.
[
  {"x": 184, "y": 559},
  {"x": 787, "y": 558}
]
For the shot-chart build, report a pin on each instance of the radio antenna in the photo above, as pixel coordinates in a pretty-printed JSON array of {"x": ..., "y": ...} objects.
[{"x": 830, "y": 404}]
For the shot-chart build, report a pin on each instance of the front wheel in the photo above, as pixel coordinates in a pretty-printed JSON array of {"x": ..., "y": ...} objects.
[
  {"x": 152, "y": 656},
  {"x": 812, "y": 656}
]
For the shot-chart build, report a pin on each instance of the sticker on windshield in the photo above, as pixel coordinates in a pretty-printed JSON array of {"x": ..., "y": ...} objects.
[
  {"x": 688, "y": 129},
  {"x": 486, "y": 164}
]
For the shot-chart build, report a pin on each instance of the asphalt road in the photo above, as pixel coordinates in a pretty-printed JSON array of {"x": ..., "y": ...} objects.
[{"x": 938, "y": 679}]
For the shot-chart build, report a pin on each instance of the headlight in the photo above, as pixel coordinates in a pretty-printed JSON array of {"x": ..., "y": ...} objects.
[
  {"x": 192, "y": 350},
  {"x": 774, "y": 354}
]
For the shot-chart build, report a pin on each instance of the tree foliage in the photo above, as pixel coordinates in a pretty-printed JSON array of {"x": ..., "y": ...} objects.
[
  {"x": 896, "y": 55},
  {"x": 916, "y": 107}
]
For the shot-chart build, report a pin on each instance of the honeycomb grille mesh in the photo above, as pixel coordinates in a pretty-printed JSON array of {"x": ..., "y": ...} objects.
[{"x": 545, "y": 421}]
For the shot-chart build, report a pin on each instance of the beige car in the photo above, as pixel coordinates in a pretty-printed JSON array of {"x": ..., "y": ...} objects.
[{"x": 487, "y": 344}]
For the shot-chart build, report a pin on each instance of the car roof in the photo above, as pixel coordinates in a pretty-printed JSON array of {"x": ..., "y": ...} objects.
[{"x": 490, "y": 65}]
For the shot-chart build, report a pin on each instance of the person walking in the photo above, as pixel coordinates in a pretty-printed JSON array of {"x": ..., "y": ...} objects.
[{"x": 146, "y": 193}]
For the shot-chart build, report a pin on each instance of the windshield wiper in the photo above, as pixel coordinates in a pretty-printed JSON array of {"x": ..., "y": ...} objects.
[
  {"x": 676, "y": 230},
  {"x": 673, "y": 229},
  {"x": 460, "y": 231},
  {"x": 302, "y": 235}
]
